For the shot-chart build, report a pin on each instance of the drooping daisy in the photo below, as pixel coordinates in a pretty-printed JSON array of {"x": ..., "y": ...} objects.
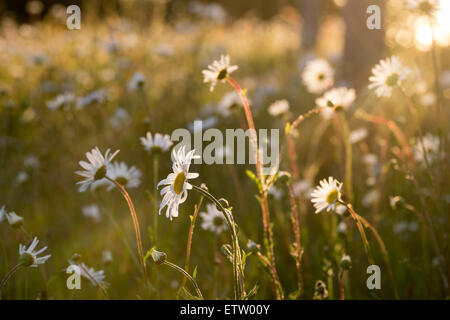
[
  {"x": 129, "y": 177},
  {"x": 318, "y": 76},
  {"x": 96, "y": 169},
  {"x": 176, "y": 184},
  {"x": 92, "y": 211},
  {"x": 94, "y": 277},
  {"x": 136, "y": 82},
  {"x": 218, "y": 71},
  {"x": 14, "y": 219},
  {"x": 279, "y": 107},
  {"x": 213, "y": 220},
  {"x": 160, "y": 143},
  {"x": 327, "y": 195},
  {"x": 334, "y": 100},
  {"x": 431, "y": 145},
  {"x": 388, "y": 74},
  {"x": 427, "y": 7},
  {"x": 29, "y": 256}
]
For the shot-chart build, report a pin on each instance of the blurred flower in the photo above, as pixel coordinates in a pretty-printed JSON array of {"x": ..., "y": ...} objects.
[
  {"x": 176, "y": 184},
  {"x": 21, "y": 177},
  {"x": 92, "y": 211},
  {"x": 229, "y": 101},
  {"x": 371, "y": 197},
  {"x": 94, "y": 277},
  {"x": 60, "y": 101},
  {"x": 160, "y": 143},
  {"x": 279, "y": 107},
  {"x": 277, "y": 193},
  {"x": 205, "y": 124},
  {"x": 137, "y": 82},
  {"x": 302, "y": 189},
  {"x": 127, "y": 177},
  {"x": 34, "y": 7},
  {"x": 318, "y": 76},
  {"x": 218, "y": 71},
  {"x": 119, "y": 117},
  {"x": 96, "y": 169},
  {"x": 2, "y": 214},
  {"x": 31, "y": 161},
  {"x": 387, "y": 74},
  {"x": 106, "y": 256},
  {"x": 164, "y": 50},
  {"x": 29, "y": 257},
  {"x": 342, "y": 227},
  {"x": 404, "y": 226},
  {"x": 358, "y": 135},
  {"x": 98, "y": 96},
  {"x": 212, "y": 11},
  {"x": 431, "y": 145},
  {"x": 340, "y": 209},
  {"x": 346, "y": 262},
  {"x": 14, "y": 220},
  {"x": 213, "y": 220},
  {"x": 326, "y": 195},
  {"x": 334, "y": 100}
]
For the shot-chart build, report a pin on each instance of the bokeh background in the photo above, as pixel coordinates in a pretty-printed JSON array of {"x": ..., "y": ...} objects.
[{"x": 170, "y": 42}]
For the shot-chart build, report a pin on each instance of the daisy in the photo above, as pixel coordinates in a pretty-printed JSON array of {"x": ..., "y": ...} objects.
[
  {"x": 218, "y": 71},
  {"x": 14, "y": 219},
  {"x": 95, "y": 277},
  {"x": 388, "y": 74},
  {"x": 279, "y": 107},
  {"x": 334, "y": 100},
  {"x": 92, "y": 211},
  {"x": 327, "y": 195},
  {"x": 137, "y": 82},
  {"x": 213, "y": 220},
  {"x": 128, "y": 177},
  {"x": 358, "y": 135},
  {"x": 431, "y": 145},
  {"x": 61, "y": 100},
  {"x": 96, "y": 169},
  {"x": 318, "y": 76},
  {"x": 175, "y": 191},
  {"x": 29, "y": 256},
  {"x": 160, "y": 143},
  {"x": 230, "y": 101}
]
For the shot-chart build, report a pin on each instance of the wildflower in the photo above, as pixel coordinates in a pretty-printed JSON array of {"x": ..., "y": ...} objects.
[
  {"x": 160, "y": 143},
  {"x": 176, "y": 184},
  {"x": 358, "y": 135},
  {"x": 98, "y": 96},
  {"x": 29, "y": 257},
  {"x": 346, "y": 262},
  {"x": 277, "y": 193},
  {"x": 326, "y": 195},
  {"x": 279, "y": 107},
  {"x": 342, "y": 227},
  {"x": 218, "y": 71},
  {"x": 137, "y": 82},
  {"x": 14, "y": 219},
  {"x": 106, "y": 256},
  {"x": 340, "y": 209},
  {"x": 318, "y": 76},
  {"x": 96, "y": 169},
  {"x": 128, "y": 177},
  {"x": 230, "y": 101},
  {"x": 92, "y": 211},
  {"x": 431, "y": 145},
  {"x": 388, "y": 74},
  {"x": 95, "y": 277},
  {"x": 21, "y": 177},
  {"x": 213, "y": 219},
  {"x": 371, "y": 197},
  {"x": 158, "y": 256},
  {"x": 334, "y": 100},
  {"x": 302, "y": 189},
  {"x": 60, "y": 101},
  {"x": 119, "y": 118},
  {"x": 164, "y": 50}
]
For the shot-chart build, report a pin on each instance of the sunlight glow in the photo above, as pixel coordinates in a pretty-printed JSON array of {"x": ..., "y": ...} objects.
[{"x": 441, "y": 28}]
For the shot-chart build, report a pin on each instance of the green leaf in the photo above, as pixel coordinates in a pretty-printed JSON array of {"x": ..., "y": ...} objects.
[
  {"x": 189, "y": 295},
  {"x": 194, "y": 274}
]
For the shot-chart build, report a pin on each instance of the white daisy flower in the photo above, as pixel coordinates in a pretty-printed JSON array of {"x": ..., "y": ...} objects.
[
  {"x": 127, "y": 177},
  {"x": 97, "y": 96},
  {"x": 327, "y": 195},
  {"x": 137, "y": 82},
  {"x": 176, "y": 184},
  {"x": 92, "y": 211},
  {"x": 279, "y": 107},
  {"x": 358, "y": 135},
  {"x": 29, "y": 256},
  {"x": 93, "y": 276},
  {"x": 96, "y": 169},
  {"x": 14, "y": 219},
  {"x": 430, "y": 144},
  {"x": 61, "y": 100},
  {"x": 318, "y": 76},
  {"x": 157, "y": 144},
  {"x": 119, "y": 118},
  {"x": 218, "y": 71},
  {"x": 228, "y": 102},
  {"x": 213, "y": 220},
  {"x": 335, "y": 99},
  {"x": 388, "y": 74}
]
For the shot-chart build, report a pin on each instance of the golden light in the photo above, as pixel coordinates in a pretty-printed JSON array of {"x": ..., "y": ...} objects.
[{"x": 441, "y": 28}]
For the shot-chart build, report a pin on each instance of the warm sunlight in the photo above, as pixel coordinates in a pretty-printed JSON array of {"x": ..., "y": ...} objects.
[{"x": 423, "y": 32}]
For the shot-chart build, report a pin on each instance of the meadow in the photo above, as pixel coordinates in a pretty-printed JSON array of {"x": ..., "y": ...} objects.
[{"x": 232, "y": 231}]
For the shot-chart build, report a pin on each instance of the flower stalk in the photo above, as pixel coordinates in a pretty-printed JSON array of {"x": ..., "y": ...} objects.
[{"x": 9, "y": 274}]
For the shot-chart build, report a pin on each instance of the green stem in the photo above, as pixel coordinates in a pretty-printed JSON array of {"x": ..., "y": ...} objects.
[
  {"x": 348, "y": 156},
  {"x": 238, "y": 270},
  {"x": 155, "y": 197},
  {"x": 9, "y": 274},
  {"x": 187, "y": 275}
]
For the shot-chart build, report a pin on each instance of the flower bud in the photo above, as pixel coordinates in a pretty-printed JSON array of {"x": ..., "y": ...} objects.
[
  {"x": 158, "y": 256},
  {"x": 346, "y": 262},
  {"x": 396, "y": 202},
  {"x": 252, "y": 246},
  {"x": 14, "y": 220}
]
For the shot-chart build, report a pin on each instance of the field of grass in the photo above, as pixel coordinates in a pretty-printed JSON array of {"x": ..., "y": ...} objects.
[{"x": 64, "y": 92}]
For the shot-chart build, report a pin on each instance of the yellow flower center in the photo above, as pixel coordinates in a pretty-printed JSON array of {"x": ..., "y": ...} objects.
[
  {"x": 392, "y": 79},
  {"x": 100, "y": 173},
  {"x": 218, "y": 221},
  {"x": 222, "y": 74},
  {"x": 122, "y": 180},
  {"x": 179, "y": 182},
  {"x": 155, "y": 150},
  {"x": 332, "y": 196},
  {"x": 321, "y": 77}
]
